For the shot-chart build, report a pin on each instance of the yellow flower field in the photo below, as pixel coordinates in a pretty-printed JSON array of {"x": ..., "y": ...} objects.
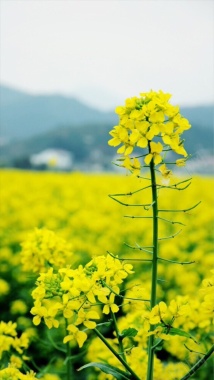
[{"x": 68, "y": 219}]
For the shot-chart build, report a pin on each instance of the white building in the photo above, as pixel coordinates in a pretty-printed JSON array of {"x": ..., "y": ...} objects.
[{"x": 52, "y": 159}]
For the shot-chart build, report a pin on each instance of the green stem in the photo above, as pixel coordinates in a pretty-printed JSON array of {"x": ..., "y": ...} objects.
[
  {"x": 119, "y": 337},
  {"x": 198, "y": 364},
  {"x": 68, "y": 361},
  {"x": 150, "y": 369},
  {"x": 134, "y": 376}
]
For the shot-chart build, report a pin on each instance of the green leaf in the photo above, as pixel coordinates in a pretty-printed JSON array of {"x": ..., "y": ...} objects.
[
  {"x": 129, "y": 332},
  {"x": 174, "y": 331},
  {"x": 106, "y": 368}
]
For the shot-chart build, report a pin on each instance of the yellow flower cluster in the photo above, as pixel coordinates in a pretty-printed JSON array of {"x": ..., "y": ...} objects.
[
  {"x": 14, "y": 348},
  {"x": 164, "y": 317},
  {"x": 10, "y": 342},
  {"x": 145, "y": 120},
  {"x": 42, "y": 249},
  {"x": 12, "y": 373},
  {"x": 75, "y": 293},
  {"x": 9, "y": 338}
]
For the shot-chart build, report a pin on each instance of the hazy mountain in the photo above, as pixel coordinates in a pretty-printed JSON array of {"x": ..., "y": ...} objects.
[
  {"x": 24, "y": 115},
  {"x": 36, "y": 123}
]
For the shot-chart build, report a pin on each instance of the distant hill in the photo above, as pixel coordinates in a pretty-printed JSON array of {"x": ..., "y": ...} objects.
[
  {"x": 24, "y": 115},
  {"x": 35, "y": 123}
]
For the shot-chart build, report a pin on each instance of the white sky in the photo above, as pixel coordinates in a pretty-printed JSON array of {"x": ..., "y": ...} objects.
[{"x": 107, "y": 50}]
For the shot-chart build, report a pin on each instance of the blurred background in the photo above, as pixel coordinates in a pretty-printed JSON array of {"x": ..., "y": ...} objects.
[{"x": 65, "y": 66}]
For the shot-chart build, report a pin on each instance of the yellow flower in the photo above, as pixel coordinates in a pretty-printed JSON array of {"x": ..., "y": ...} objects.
[
  {"x": 165, "y": 171},
  {"x": 39, "y": 311},
  {"x": 18, "y": 307},
  {"x": 76, "y": 334},
  {"x": 10, "y": 373},
  {"x": 144, "y": 118},
  {"x": 4, "y": 287},
  {"x": 157, "y": 313},
  {"x": 85, "y": 318},
  {"x": 159, "y": 332},
  {"x": 153, "y": 131},
  {"x": 29, "y": 376},
  {"x": 109, "y": 303},
  {"x": 156, "y": 149},
  {"x": 178, "y": 310},
  {"x": 21, "y": 343},
  {"x": 126, "y": 149},
  {"x": 181, "y": 162},
  {"x": 179, "y": 149},
  {"x": 42, "y": 249},
  {"x": 132, "y": 164},
  {"x": 8, "y": 328},
  {"x": 168, "y": 133},
  {"x": 120, "y": 110},
  {"x": 15, "y": 361},
  {"x": 157, "y": 117}
]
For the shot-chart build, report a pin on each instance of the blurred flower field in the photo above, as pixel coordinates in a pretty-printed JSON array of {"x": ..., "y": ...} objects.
[{"x": 73, "y": 217}]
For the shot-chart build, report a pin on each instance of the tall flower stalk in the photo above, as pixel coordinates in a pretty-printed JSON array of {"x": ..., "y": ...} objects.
[
  {"x": 151, "y": 123},
  {"x": 154, "y": 267}
]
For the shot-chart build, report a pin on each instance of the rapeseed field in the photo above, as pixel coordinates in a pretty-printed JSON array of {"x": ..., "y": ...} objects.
[{"x": 57, "y": 229}]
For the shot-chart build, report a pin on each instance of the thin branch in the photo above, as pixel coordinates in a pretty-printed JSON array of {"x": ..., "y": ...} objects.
[
  {"x": 171, "y": 237},
  {"x": 123, "y": 297},
  {"x": 170, "y": 221},
  {"x": 123, "y": 259},
  {"x": 138, "y": 217},
  {"x": 184, "y": 210},
  {"x": 138, "y": 247},
  {"x": 196, "y": 352},
  {"x": 128, "y": 204},
  {"x": 176, "y": 262},
  {"x": 130, "y": 193},
  {"x": 147, "y": 207},
  {"x": 54, "y": 344},
  {"x": 174, "y": 188},
  {"x": 138, "y": 176},
  {"x": 175, "y": 185}
]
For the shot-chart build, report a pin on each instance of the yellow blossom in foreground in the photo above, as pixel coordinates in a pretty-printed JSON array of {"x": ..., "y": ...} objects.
[
  {"x": 76, "y": 334},
  {"x": 163, "y": 314},
  {"x": 132, "y": 164},
  {"x": 166, "y": 173},
  {"x": 109, "y": 304},
  {"x": 85, "y": 318},
  {"x": 15, "y": 361},
  {"x": 156, "y": 149},
  {"x": 181, "y": 162}
]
